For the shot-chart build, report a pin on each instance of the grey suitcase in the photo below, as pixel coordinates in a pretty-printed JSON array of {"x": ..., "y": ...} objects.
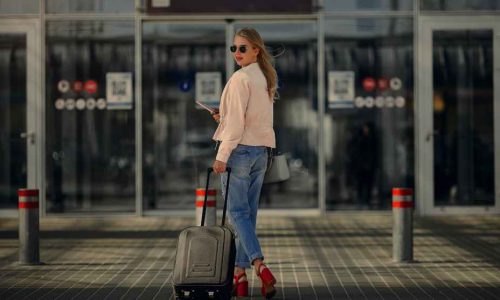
[{"x": 204, "y": 262}]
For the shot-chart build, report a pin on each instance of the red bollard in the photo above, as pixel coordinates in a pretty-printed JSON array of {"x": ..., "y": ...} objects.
[
  {"x": 402, "y": 230},
  {"x": 29, "y": 245},
  {"x": 210, "y": 216}
]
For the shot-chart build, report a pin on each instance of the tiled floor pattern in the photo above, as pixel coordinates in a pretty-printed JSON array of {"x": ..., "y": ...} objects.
[{"x": 339, "y": 256}]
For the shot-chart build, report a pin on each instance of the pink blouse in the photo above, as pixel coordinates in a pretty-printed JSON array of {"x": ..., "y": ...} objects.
[{"x": 246, "y": 112}]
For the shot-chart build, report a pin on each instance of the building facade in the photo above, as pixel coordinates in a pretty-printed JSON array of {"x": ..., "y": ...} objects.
[{"x": 98, "y": 106}]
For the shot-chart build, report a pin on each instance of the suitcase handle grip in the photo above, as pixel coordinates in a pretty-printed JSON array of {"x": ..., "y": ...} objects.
[{"x": 210, "y": 170}]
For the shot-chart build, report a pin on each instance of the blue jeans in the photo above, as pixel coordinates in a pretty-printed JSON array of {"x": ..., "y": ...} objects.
[{"x": 248, "y": 166}]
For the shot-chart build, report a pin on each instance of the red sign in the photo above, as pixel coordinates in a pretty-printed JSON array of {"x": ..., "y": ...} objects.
[
  {"x": 383, "y": 84},
  {"x": 90, "y": 86},
  {"x": 77, "y": 86},
  {"x": 369, "y": 84}
]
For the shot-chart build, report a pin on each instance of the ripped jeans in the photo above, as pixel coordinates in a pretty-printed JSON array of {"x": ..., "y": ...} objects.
[{"x": 248, "y": 166}]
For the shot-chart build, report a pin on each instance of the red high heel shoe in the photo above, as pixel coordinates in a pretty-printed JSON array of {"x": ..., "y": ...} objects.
[
  {"x": 240, "y": 287},
  {"x": 268, "y": 281}
]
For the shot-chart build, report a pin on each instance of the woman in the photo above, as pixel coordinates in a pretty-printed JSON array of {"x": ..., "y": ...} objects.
[{"x": 245, "y": 132}]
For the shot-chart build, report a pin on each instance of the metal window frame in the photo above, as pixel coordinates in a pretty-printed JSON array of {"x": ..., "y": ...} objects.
[
  {"x": 230, "y": 22},
  {"x": 139, "y": 17},
  {"x": 321, "y": 109},
  {"x": 424, "y": 112},
  {"x": 34, "y": 108},
  {"x": 139, "y": 191}
]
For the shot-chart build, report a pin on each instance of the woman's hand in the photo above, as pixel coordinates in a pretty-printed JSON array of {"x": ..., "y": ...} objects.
[
  {"x": 219, "y": 167},
  {"x": 216, "y": 115}
]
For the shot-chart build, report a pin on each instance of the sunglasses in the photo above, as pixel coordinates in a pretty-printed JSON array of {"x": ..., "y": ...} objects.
[{"x": 242, "y": 48}]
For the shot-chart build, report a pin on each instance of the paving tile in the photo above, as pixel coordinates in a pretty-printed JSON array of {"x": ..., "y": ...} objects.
[{"x": 338, "y": 256}]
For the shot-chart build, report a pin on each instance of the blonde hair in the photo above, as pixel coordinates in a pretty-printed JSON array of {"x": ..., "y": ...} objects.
[{"x": 264, "y": 58}]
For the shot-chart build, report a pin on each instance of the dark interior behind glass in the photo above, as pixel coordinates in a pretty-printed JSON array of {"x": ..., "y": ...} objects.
[
  {"x": 90, "y": 151},
  {"x": 369, "y": 147},
  {"x": 13, "y": 169},
  {"x": 177, "y": 145},
  {"x": 463, "y": 117}
]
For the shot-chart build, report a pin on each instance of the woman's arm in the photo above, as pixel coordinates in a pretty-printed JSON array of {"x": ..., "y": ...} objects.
[{"x": 237, "y": 95}]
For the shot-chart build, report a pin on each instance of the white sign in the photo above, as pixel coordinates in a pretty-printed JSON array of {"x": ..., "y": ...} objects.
[
  {"x": 400, "y": 102},
  {"x": 389, "y": 101},
  {"x": 160, "y": 3},
  {"x": 63, "y": 86},
  {"x": 369, "y": 102},
  {"x": 379, "y": 102},
  {"x": 101, "y": 103},
  {"x": 80, "y": 104},
  {"x": 208, "y": 88},
  {"x": 70, "y": 104},
  {"x": 90, "y": 103},
  {"x": 59, "y": 104},
  {"x": 119, "y": 90},
  {"x": 341, "y": 89},
  {"x": 359, "y": 102},
  {"x": 396, "y": 83}
]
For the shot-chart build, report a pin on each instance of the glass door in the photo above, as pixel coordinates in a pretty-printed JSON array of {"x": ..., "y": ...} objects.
[
  {"x": 184, "y": 62},
  {"x": 181, "y": 63},
  {"x": 296, "y": 116},
  {"x": 90, "y": 116},
  {"x": 18, "y": 54},
  {"x": 459, "y": 98}
]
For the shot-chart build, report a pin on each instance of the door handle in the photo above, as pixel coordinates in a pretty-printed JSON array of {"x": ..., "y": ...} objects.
[
  {"x": 29, "y": 135},
  {"x": 429, "y": 135}
]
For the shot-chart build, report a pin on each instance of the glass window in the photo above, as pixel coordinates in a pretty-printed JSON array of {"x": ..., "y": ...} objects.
[
  {"x": 376, "y": 5},
  {"x": 463, "y": 117},
  {"x": 177, "y": 135},
  {"x": 228, "y": 6},
  {"x": 13, "y": 169},
  {"x": 295, "y": 112},
  {"x": 369, "y": 116},
  {"x": 19, "y": 6},
  {"x": 95, "y": 6},
  {"x": 459, "y": 4},
  {"x": 90, "y": 116}
]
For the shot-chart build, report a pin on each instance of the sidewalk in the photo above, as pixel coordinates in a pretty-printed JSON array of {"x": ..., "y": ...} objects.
[{"x": 340, "y": 256}]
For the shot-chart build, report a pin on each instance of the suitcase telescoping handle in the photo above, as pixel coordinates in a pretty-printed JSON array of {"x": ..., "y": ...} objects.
[{"x": 210, "y": 170}]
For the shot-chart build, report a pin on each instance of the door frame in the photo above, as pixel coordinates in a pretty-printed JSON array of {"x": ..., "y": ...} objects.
[
  {"x": 230, "y": 22},
  {"x": 424, "y": 163},
  {"x": 34, "y": 115},
  {"x": 139, "y": 204}
]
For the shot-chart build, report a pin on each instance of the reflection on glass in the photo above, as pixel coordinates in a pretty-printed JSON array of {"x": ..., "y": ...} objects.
[
  {"x": 19, "y": 6},
  {"x": 463, "y": 117},
  {"x": 295, "y": 112},
  {"x": 459, "y": 4},
  {"x": 369, "y": 138},
  {"x": 375, "y": 5},
  {"x": 177, "y": 135},
  {"x": 90, "y": 147},
  {"x": 12, "y": 117},
  {"x": 96, "y": 6}
]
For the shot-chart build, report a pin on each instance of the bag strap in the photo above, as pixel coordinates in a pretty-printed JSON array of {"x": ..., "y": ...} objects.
[
  {"x": 210, "y": 170},
  {"x": 270, "y": 156}
]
